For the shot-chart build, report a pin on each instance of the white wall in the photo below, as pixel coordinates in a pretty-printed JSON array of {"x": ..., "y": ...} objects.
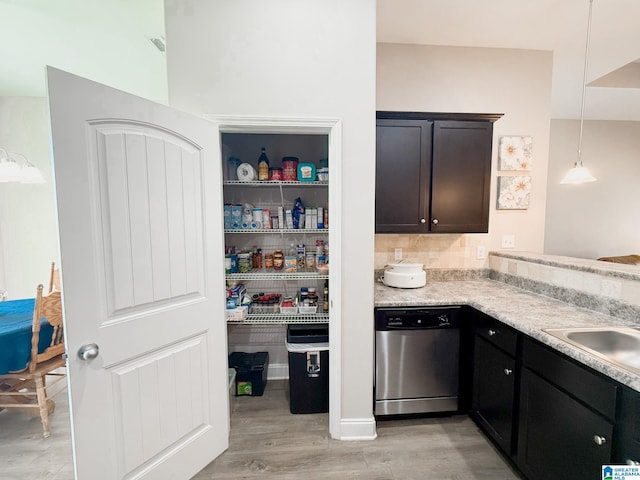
[
  {"x": 601, "y": 218},
  {"x": 28, "y": 232},
  {"x": 107, "y": 42},
  {"x": 286, "y": 58},
  {"x": 476, "y": 80}
]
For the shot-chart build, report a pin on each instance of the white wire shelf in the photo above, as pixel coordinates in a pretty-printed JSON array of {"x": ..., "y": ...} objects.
[
  {"x": 275, "y": 183},
  {"x": 282, "y": 231},
  {"x": 277, "y": 275},
  {"x": 279, "y": 318}
]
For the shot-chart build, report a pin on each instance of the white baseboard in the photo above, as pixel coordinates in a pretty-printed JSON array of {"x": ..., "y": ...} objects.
[
  {"x": 358, "y": 429},
  {"x": 278, "y": 371}
]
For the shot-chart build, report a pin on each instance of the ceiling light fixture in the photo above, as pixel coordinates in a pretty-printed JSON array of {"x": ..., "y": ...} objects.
[
  {"x": 579, "y": 173},
  {"x": 12, "y": 171}
]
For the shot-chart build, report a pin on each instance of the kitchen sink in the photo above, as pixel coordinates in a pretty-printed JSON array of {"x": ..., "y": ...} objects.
[{"x": 617, "y": 345}]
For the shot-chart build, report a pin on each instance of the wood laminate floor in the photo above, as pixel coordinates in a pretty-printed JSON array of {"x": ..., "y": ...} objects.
[
  {"x": 26, "y": 455},
  {"x": 267, "y": 442}
]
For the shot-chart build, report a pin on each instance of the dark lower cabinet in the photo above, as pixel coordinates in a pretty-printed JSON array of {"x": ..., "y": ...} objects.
[
  {"x": 559, "y": 437},
  {"x": 493, "y": 392},
  {"x": 551, "y": 416},
  {"x": 627, "y": 434}
]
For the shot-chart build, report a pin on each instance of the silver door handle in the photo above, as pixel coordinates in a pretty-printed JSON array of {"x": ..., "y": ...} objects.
[
  {"x": 599, "y": 440},
  {"x": 88, "y": 351},
  {"x": 508, "y": 371}
]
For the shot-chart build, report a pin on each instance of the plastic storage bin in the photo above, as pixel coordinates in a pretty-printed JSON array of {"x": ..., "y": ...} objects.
[
  {"x": 251, "y": 372},
  {"x": 308, "y": 349}
]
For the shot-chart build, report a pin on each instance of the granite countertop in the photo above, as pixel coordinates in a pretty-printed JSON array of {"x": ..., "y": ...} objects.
[{"x": 527, "y": 312}]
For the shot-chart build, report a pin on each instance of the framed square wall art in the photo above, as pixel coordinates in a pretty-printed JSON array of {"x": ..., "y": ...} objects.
[
  {"x": 515, "y": 153},
  {"x": 514, "y": 192}
]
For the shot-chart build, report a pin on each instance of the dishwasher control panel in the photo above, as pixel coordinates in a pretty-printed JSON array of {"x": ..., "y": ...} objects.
[{"x": 417, "y": 318}]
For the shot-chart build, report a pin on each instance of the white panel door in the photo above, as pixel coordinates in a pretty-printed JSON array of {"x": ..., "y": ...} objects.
[{"x": 140, "y": 224}]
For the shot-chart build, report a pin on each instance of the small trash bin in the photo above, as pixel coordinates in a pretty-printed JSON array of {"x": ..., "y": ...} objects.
[
  {"x": 251, "y": 372},
  {"x": 308, "y": 348}
]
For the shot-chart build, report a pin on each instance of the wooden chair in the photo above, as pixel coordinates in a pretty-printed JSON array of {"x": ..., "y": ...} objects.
[
  {"x": 54, "y": 278},
  {"x": 28, "y": 389}
]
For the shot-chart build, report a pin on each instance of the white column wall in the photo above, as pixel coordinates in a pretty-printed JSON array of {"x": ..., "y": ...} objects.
[{"x": 286, "y": 58}]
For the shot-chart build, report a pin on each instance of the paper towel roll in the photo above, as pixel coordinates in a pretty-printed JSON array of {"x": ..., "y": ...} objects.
[{"x": 246, "y": 173}]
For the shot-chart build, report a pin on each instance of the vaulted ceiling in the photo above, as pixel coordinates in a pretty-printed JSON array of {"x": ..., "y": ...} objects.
[
  {"x": 556, "y": 25},
  {"x": 101, "y": 39}
]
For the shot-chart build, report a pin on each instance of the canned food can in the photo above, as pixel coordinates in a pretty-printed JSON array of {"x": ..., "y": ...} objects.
[{"x": 289, "y": 169}]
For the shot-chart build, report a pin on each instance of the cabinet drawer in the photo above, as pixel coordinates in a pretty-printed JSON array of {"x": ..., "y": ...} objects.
[
  {"x": 496, "y": 333},
  {"x": 592, "y": 389}
]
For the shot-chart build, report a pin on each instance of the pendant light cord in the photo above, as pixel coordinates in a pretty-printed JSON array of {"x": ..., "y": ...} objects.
[{"x": 584, "y": 83}]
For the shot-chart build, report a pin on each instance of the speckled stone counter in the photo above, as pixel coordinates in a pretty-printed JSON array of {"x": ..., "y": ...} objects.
[{"x": 527, "y": 312}]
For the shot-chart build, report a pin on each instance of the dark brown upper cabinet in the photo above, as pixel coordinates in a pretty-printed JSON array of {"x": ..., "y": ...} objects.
[{"x": 433, "y": 172}]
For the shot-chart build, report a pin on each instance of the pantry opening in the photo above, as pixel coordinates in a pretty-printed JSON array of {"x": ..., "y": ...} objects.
[{"x": 289, "y": 209}]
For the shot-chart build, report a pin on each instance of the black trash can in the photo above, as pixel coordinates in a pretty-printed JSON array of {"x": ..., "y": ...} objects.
[
  {"x": 251, "y": 372},
  {"x": 308, "y": 347}
]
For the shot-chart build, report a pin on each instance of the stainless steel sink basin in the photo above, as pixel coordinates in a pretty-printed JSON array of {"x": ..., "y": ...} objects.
[{"x": 617, "y": 345}]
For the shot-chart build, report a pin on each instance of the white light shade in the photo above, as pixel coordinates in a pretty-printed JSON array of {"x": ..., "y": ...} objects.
[
  {"x": 31, "y": 174},
  {"x": 10, "y": 171},
  {"x": 577, "y": 175}
]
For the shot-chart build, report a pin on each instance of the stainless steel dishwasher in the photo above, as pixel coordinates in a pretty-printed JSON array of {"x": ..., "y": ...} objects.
[{"x": 417, "y": 360}]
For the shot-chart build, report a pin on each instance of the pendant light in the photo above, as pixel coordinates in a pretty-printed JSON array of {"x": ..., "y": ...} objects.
[
  {"x": 579, "y": 173},
  {"x": 12, "y": 171}
]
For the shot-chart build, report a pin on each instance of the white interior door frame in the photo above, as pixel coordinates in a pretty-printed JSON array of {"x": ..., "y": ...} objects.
[{"x": 314, "y": 126}]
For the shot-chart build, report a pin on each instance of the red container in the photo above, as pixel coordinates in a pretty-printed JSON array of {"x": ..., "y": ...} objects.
[
  {"x": 275, "y": 173},
  {"x": 290, "y": 169}
]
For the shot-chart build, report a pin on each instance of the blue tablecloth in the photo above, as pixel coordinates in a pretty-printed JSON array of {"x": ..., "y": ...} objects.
[{"x": 16, "y": 319}]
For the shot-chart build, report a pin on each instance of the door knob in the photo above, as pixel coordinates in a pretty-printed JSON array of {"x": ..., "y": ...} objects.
[
  {"x": 508, "y": 371},
  {"x": 599, "y": 440},
  {"x": 492, "y": 332},
  {"x": 89, "y": 351},
  {"x": 422, "y": 220},
  {"x": 435, "y": 221}
]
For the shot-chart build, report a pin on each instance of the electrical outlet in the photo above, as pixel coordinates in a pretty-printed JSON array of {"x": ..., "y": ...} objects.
[
  {"x": 398, "y": 254},
  {"x": 509, "y": 241},
  {"x": 480, "y": 252}
]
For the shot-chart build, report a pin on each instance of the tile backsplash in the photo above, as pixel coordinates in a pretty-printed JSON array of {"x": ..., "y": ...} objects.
[{"x": 448, "y": 251}]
